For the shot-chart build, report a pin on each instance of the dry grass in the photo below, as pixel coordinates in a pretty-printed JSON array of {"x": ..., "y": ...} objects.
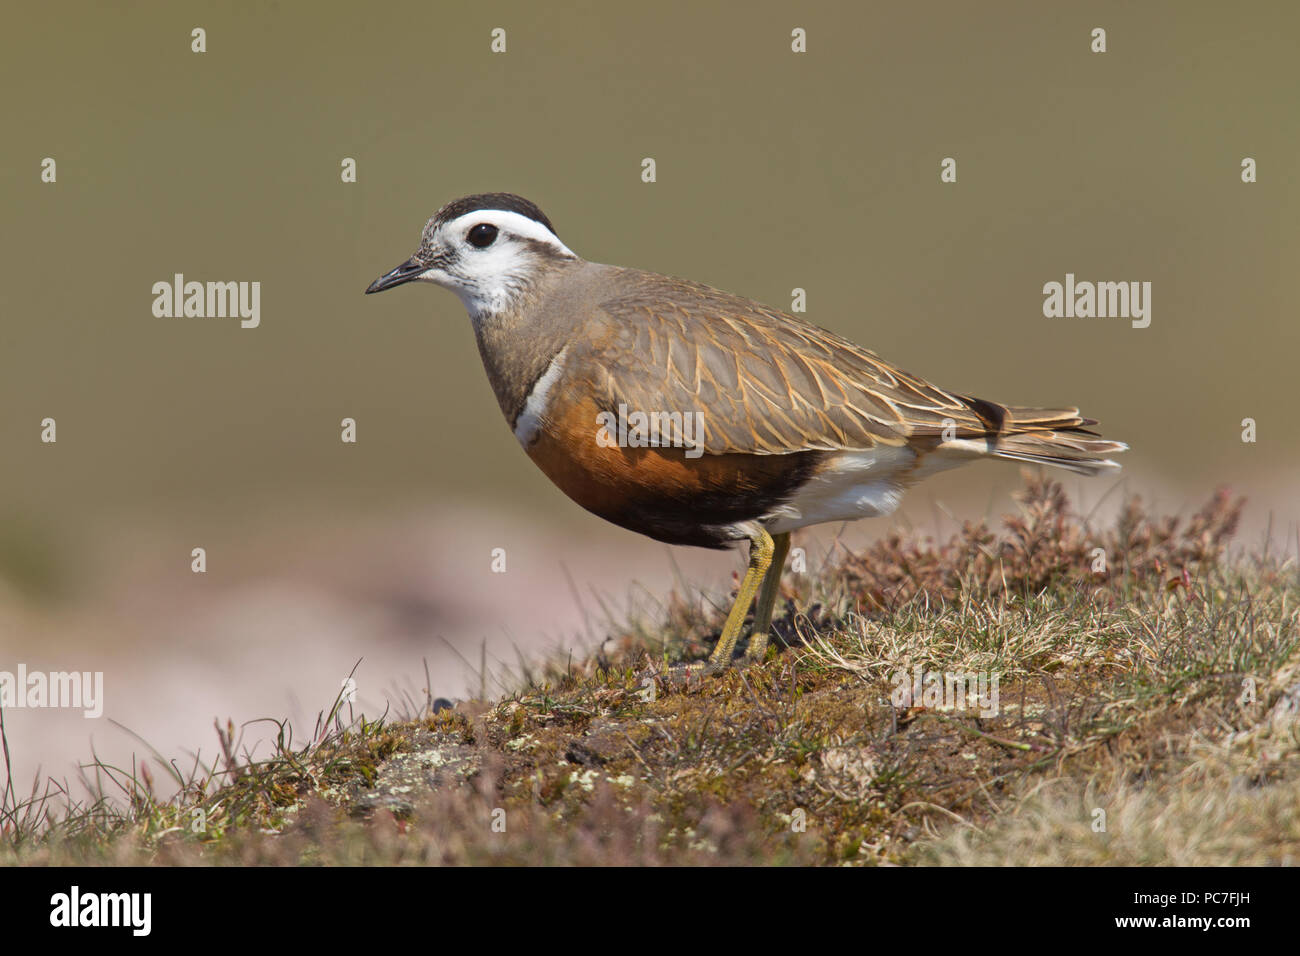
[{"x": 1123, "y": 734}]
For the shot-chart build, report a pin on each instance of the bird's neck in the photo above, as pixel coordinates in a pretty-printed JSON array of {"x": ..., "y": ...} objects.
[{"x": 518, "y": 343}]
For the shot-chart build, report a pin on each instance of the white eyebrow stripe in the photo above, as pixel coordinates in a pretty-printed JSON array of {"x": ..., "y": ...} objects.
[{"x": 512, "y": 222}]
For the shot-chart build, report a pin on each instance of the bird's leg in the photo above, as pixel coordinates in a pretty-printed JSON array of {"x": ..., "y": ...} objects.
[
  {"x": 767, "y": 599},
  {"x": 760, "y": 559}
]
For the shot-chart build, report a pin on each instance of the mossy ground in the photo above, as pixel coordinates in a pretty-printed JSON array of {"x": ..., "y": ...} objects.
[{"x": 1148, "y": 713}]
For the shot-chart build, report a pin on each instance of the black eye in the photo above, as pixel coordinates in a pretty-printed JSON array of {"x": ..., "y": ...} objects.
[{"x": 482, "y": 235}]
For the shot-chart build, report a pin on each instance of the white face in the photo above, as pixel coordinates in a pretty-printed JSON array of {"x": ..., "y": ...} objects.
[{"x": 488, "y": 258}]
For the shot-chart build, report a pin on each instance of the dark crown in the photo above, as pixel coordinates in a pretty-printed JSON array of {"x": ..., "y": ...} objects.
[{"x": 506, "y": 202}]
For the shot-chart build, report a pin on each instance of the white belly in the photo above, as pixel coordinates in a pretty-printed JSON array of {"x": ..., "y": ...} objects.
[{"x": 861, "y": 484}]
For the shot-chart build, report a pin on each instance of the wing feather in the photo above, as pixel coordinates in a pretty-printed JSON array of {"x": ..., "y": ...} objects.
[{"x": 768, "y": 383}]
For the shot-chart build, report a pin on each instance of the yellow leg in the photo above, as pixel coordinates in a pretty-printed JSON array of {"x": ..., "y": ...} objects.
[
  {"x": 760, "y": 558},
  {"x": 767, "y": 599}
]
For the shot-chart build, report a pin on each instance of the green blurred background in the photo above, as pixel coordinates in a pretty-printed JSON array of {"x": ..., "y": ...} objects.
[{"x": 775, "y": 170}]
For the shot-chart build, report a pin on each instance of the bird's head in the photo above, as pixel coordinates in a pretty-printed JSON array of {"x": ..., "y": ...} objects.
[{"x": 489, "y": 249}]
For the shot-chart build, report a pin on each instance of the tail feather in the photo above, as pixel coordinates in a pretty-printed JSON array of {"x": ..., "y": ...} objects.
[
  {"x": 1052, "y": 448},
  {"x": 1049, "y": 436}
]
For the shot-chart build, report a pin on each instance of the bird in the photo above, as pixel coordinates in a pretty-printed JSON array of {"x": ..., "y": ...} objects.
[{"x": 698, "y": 417}]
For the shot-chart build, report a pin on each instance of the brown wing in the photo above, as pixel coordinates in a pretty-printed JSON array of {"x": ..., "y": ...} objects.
[{"x": 766, "y": 382}]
